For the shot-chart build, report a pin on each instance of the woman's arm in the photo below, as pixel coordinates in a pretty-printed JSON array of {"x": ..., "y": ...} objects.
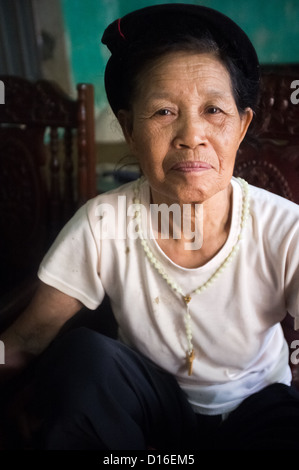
[{"x": 36, "y": 327}]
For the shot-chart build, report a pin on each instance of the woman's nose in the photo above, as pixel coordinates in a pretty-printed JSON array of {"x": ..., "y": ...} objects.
[{"x": 190, "y": 133}]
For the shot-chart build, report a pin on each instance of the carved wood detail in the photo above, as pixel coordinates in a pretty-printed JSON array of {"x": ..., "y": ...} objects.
[
  {"x": 269, "y": 158},
  {"x": 265, "y": 175},
  {"x": 82, "y": 144},
  {"x": 42, "y": 103},
  {"x": 68, "y": 168},
  {"x": 42, "y": 131}
]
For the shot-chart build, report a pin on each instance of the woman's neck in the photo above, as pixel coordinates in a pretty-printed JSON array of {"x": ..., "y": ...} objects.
[{"x": 208, "y": 224}]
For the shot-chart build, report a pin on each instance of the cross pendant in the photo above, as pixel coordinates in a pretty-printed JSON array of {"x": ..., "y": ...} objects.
[{"x": 190, "y": 359}]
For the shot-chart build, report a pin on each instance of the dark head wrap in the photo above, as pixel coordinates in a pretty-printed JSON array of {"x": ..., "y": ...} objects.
[{"x": 155, "y": 26}]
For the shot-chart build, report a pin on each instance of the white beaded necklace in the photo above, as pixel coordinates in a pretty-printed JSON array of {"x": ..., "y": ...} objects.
[{"x": 174, "y": 286}]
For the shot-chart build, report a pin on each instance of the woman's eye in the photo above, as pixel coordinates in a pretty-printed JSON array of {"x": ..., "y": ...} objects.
[
  {"x": 213, "y": 110},
  {"x": 164, "y": 112}
]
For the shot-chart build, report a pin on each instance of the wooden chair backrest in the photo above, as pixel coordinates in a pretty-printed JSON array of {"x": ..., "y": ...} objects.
[
  {"x": 47, "y": 169},
  {"x": 269, "y": 158}
]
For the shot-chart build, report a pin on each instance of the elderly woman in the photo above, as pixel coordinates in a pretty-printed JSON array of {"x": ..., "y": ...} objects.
[{"x": 198, "y": 295}]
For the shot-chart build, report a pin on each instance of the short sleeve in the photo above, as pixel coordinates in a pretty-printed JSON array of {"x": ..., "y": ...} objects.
[{"x": 72, "y": 263}]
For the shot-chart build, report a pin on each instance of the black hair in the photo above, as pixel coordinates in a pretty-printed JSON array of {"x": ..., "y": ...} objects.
[{"x": 145, "y": 35}]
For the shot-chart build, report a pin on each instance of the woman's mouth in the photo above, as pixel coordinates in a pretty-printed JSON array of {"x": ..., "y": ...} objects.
[{"x": 188, "y": 167}]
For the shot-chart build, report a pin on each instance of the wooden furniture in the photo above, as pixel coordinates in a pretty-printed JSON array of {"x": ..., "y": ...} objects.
[
  {"x": 269, "y": 157},
  {"x": 47, "y": 169}
]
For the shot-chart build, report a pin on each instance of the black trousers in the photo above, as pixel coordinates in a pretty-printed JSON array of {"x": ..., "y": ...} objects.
[{"x": 94, "y": 393}]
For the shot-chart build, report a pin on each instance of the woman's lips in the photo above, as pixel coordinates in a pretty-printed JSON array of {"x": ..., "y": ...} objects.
[{"x": 188, "y": 167}]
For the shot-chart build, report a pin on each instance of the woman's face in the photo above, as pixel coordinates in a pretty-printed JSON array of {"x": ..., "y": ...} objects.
[{"x": 184, "y": 127}]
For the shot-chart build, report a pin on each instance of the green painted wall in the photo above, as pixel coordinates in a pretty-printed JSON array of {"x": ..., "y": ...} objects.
[{"x": 272, "y": 25}]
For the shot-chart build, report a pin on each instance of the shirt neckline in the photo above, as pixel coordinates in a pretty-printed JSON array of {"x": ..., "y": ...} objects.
[{"x": 237, "y": 199}]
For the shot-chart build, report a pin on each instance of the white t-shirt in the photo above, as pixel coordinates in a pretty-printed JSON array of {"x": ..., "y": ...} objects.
[{"x": 238, "y": 341}]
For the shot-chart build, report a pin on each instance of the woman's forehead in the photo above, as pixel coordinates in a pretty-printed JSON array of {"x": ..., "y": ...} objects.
[
  {"x": 185, "y": 61},
  {"x": 183, "y": 69}
]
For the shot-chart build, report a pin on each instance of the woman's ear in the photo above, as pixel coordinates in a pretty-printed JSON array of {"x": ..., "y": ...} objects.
[
  {"x": 246, "y": 119},
  {"x": 125, "y": 120}
]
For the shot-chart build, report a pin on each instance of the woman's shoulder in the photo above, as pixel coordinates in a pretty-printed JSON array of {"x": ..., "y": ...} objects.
[
  {"x": 112, "y": 196},
  {"x": 126, "y": 189},
  {"x": 111, "y": 209},
  {"x": 262, "y": 197},
  {"x": 268, "y": 208}
]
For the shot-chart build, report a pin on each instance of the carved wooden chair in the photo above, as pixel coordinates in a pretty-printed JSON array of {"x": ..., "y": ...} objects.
[
  {"x": 47, "y": 169},
  {"x": 269, "y": 158}
]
